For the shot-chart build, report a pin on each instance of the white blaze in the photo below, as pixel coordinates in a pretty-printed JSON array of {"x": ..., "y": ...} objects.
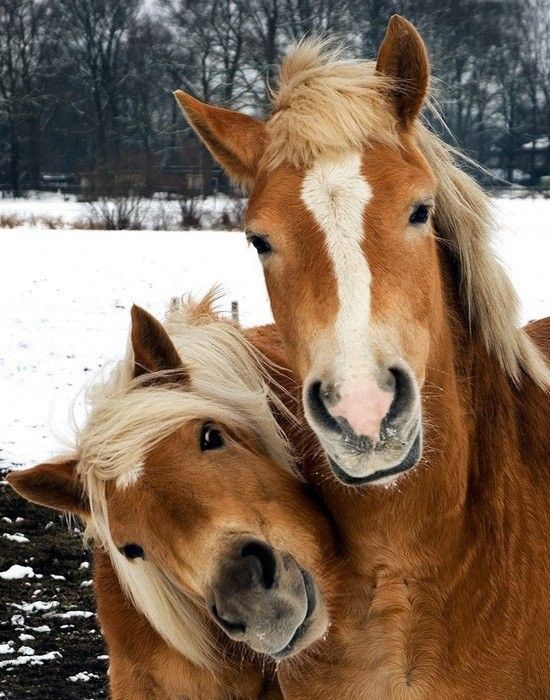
[{"x": 336, "y": 193}]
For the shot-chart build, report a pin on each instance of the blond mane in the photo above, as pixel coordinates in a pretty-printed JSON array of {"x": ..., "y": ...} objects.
[
  {"x": 128, "y": 417},
  {"x": 326, "y": 105}
]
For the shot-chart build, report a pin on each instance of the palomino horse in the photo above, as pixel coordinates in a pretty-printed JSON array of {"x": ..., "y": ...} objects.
[
  {"x": 403, "y": 329},
  {"x": 185, "y": 483}
]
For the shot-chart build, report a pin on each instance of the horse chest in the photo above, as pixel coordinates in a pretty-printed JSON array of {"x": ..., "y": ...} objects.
[
  {"x": 396, "y": 641},
  {"x": 386, "y": 645}
]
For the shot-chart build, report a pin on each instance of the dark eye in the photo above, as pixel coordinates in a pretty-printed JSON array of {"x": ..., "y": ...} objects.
[
  {"x": 261, "y": 244},
  {"x": 420, "y": 214},
  {"x": 211, "y": 438},
  {"x": 132, "y": 551}
]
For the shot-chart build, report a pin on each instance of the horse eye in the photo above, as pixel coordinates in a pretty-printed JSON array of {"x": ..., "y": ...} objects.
[
  {"x": 132, "y": 551},
  {"x": 420, "y": 214},
  {"x": 261, "y": 244},
  {"x": 211, "y": 438}
]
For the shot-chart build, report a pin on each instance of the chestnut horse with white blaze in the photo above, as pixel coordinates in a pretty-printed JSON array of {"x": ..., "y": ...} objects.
[
  {"x": 203, "y": 533},
  {"x": 403, "y": 328}
]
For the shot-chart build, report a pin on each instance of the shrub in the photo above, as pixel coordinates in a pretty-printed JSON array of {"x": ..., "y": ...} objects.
[
  {"x": 10, "y": 220},
  {"x": 190, "y": 212},
  {"x": 125, "y": 211}
]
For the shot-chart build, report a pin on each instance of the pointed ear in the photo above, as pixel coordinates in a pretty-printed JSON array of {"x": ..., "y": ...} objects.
[
  {"x": 404, "y": 58},
  {"x": 53, "y": 485},
  {"x": 153, "y": 349},
  {"x": 236, "y": 140}
]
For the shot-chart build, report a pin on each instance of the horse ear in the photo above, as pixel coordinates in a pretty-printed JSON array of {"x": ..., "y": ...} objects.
[
  {"x": 403, "y": 57},
  {"x": 153, "y": 349},
  {"x": 236, "y": 140},
  {"x": 54, "y": 485}
]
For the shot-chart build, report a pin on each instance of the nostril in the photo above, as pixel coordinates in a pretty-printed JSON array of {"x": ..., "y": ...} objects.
[
  {"x": 228, "y": 626},
  {"x": 266, "y": 561},
  {"x": 318, "y": 397},
  {"x": 402, "y": 393}
]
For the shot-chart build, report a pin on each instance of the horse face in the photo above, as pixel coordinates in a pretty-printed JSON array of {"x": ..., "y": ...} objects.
[
  {"x": 351, "y": 268},
  {"x": 230, "y": 528},
  {"x": 203, "y": 514},
  {"x": 340, "y": 215}
]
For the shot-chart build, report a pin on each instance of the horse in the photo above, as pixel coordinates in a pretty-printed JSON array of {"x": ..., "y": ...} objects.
[
  {"x": 204, "y": 538},
  {"x": 429, "y": 401}
]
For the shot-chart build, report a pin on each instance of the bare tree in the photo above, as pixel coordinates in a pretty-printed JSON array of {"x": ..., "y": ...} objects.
[
  {"x": 96, "y": 31},
  {"x": 147, "y": 101},
  {"x": 535, "y": 67},
  {"x": 84, "y": 84},
  {"x": 26, "y": 35}
]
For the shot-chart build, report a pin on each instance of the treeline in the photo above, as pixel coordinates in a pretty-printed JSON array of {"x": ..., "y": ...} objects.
[{"x": 85, "y": 85}]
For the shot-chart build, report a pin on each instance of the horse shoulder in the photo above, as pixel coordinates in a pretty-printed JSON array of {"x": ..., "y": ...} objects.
[{"x": 532, "y": 410}]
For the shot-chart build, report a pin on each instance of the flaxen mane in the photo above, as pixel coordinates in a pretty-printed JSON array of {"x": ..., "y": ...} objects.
[
  {"x": 129, "y": 416},
  {"x": 324, "y": 106}
]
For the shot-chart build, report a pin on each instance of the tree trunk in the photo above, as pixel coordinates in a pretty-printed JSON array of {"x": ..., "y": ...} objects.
[
  {"x": 15, "y": 176},
  {"x": 34, "y": 154}
]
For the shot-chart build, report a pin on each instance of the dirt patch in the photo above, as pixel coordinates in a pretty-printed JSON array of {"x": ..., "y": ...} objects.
[{"x": 44, "y": 615}]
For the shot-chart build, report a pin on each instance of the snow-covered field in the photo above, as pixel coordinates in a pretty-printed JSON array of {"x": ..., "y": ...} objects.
[{"x": 65, "y": 299}]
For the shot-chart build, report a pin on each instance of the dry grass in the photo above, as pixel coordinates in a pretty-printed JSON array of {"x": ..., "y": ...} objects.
[
  {"x": 134, "y": 214},
  {"x": 10, "y": 220},
  {"x": 13, "y": 220},
  {"x": 50, "y": 222}
]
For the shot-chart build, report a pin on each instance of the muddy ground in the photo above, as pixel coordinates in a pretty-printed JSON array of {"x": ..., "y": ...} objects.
[{"x": 78, "y": 667}]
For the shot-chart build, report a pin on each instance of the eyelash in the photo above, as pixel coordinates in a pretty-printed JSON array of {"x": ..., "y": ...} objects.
[
  {"x": 420, "y": 214},
  {"x": 261, "y": 244}
]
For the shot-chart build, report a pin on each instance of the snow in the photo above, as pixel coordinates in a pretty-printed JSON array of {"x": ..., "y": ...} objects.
[
  {"x": 71, "y": 613},
  {"x": 83, "y": 676},
  {"x": 66, "y": 297},
  {"x": 16, "y": 537},
  {"x": 26, "y": 651},
  {"x": 37, "y": 606},
  {"x": 523, "y": 245},
  {"x": 539, "y": 144},
  {"x": 17, "y": 571},
  {"x": 44, "y": 204},
  {"x": 35, "y": 659},
  {"x": 65, "y": 307},
  {"x": 39, "y": 207}
]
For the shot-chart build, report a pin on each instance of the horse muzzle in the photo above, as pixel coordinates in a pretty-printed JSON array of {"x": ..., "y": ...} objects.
[
  {"x": 265, "y": 599},
  {"x": 369, "y": 428}
]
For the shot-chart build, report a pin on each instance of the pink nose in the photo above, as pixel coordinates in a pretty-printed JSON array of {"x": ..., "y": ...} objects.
[{"x": 364, "y": 405}]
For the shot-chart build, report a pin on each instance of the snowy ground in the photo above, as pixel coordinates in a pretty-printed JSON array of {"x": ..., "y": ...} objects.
[
  {"x": 65, "y": 312},
  {"x": 66, "y": 297}
]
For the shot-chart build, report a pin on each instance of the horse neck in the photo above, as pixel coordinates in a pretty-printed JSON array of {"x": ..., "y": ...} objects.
[
  {"x": 475, "y": 452},
  {"x": 485, "y": 445}
]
